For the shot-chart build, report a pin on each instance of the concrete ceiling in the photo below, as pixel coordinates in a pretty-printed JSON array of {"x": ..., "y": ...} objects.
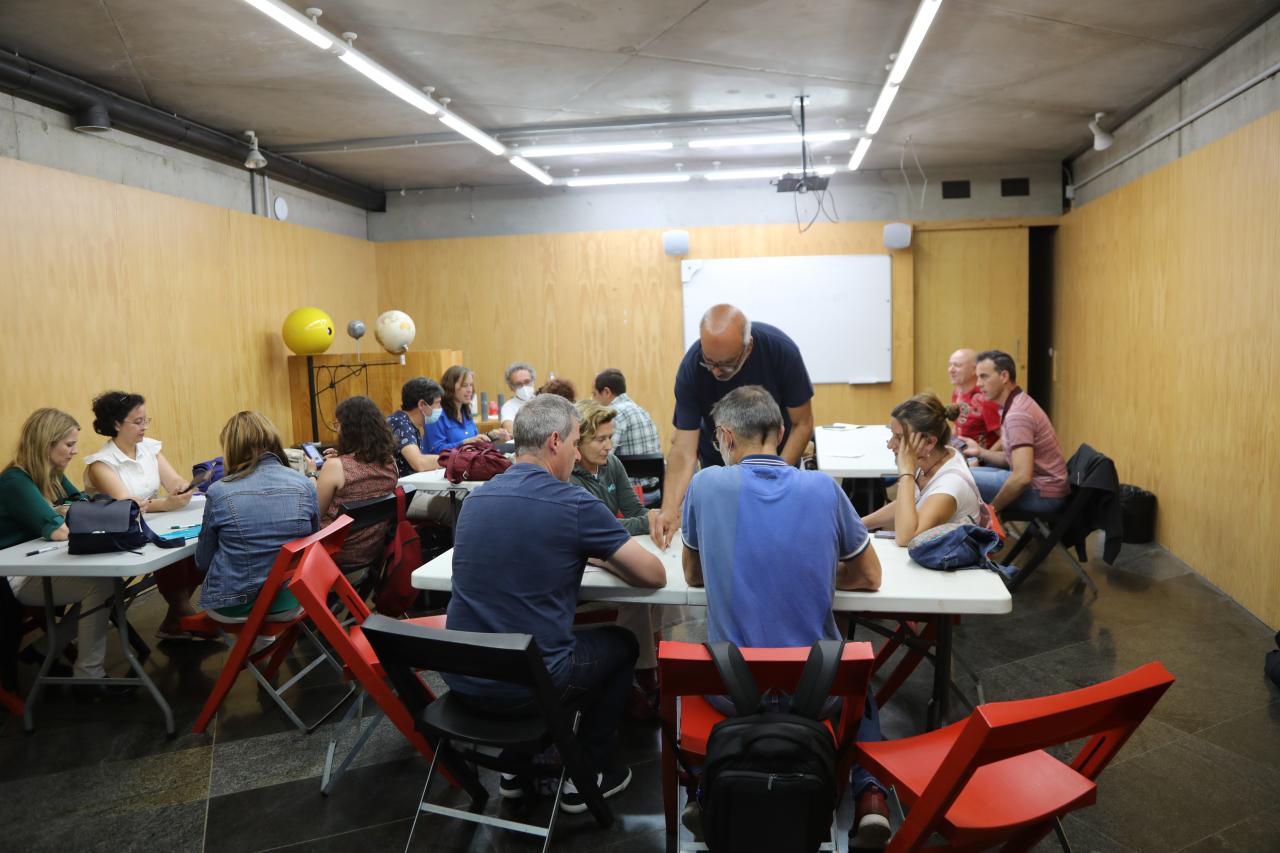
[{"x": 996, "y": 82}]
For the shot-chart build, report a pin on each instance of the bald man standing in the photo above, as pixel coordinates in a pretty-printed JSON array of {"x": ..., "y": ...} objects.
[
  {"x": 979, "y": 417},
  {"x": 731, "y": 352}
]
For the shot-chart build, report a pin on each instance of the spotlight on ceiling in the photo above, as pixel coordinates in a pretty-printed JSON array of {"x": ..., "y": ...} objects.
[
  {"x": 255, "y": 160},
  {"x": 1101, "y": 139}
]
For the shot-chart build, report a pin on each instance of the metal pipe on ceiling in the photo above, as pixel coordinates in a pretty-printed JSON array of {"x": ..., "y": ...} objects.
[{"x": 21, "y": 76}]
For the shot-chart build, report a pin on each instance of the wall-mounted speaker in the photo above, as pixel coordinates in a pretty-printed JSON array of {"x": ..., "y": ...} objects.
[
  {"x": 675, "y": 243},
  {"x": 897, "y": 235}
]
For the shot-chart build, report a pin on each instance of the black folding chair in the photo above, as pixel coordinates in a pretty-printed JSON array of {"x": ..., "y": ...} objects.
[
  {"x": 647, "y": 467},
  {"x": 1050, "y": 528},
  {"x": 365, "y": 514},
  {"x": 463, "y": 735}
]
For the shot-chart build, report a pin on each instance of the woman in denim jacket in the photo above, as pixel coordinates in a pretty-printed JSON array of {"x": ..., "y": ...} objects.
[{"x": 258, "y": 505}]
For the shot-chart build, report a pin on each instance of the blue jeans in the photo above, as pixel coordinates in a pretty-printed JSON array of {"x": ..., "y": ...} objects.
[
  {"x": 868, "y": 729},
  {"x": 991, "y": 480}
]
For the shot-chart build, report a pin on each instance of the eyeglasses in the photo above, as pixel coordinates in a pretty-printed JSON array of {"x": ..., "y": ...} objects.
[
  {"x": 715, "y": 442},
  {"x": 140, "y": 422},
  {"x": 731, "y": 364}
]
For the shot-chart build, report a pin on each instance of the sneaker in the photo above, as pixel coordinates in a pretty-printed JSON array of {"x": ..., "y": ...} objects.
[
  {"x": 511, "y": 787},
  {"x": 871, "y": 829},
  {"x": 610, "y": 782}
]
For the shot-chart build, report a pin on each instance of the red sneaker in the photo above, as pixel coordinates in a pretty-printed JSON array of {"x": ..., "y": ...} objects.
[{"x": 871, "y": 829}]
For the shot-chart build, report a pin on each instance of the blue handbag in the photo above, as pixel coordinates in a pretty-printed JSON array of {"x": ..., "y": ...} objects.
[{"x": 953, "y": 546}]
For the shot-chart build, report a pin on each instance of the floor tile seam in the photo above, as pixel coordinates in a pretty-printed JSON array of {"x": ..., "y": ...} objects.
[
  {"x": 296, "y": 842},
  {"x": 208, "y": 800},
  {"x": 1054, "y": 650},
  {"x": 1079, "y": 815},
  {"x": 1223, "y": 829},
  {"x": 1245, "y": 713},
  {"x": 1240, "y": 756}
]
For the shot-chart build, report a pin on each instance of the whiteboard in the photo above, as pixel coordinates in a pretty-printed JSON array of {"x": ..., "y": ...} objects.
[{"x": 837, "y": 308}]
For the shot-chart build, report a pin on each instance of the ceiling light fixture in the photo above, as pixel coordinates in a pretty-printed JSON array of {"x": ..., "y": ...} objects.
[
  {"x": 384, "y": 78},
  {"x": 915, "y": 37},
  {"x": 859, "y": 151},
  {"x": 610, "y": 180},
  {"x": 881, "y": 109},
  {"x": 1101, "y": 139},
  {"x": 254, "y": 160},
  {"x": 475, "y": 134},
  {"x": 813, "y": 138},
  {"x": 531, "y": 170},
  {"x": 540, "y": 151},
  {"x": 287, "y": 17},
  {"x": 762, "y": 172}
]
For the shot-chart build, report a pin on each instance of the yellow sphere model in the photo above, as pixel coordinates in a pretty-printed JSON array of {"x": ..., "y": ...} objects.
[{"x": 307, "y": 331}]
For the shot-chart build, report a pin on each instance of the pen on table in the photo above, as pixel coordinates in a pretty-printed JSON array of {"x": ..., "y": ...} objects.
[
  {"x": 182, "y": 526},
  {"x": 43, "y": 550}
]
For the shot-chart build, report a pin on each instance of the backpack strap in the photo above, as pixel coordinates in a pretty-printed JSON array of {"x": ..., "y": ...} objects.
[
  {"x": 816, "y": 678},
  {"x": 736, "y": 676}
]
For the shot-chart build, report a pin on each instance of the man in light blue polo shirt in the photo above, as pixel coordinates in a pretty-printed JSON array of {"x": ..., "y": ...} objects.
[{"x": 772, "y": 544}]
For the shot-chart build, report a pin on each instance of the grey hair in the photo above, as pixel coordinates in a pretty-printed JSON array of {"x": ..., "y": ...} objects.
[
  {"x": 518, "y": 365},
  {"x": 750, "y": 411},
  {"x": 541, "y": 416}
]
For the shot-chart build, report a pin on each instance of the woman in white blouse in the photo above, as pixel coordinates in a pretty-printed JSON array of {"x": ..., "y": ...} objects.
[
  {"x": 934, "y": 483},
  {"x": 130, "y": 465}
]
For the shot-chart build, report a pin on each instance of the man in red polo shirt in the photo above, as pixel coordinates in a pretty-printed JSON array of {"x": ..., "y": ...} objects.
[
  {"x": 979, "y": 417},
  {"x": 1028, "y": 470}
]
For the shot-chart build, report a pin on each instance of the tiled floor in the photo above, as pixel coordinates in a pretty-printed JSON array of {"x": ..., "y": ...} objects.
[{"x": 1202, "y": 774}]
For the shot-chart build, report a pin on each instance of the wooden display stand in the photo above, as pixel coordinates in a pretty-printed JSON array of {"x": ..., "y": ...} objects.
[{"x": 380, "y": 380}]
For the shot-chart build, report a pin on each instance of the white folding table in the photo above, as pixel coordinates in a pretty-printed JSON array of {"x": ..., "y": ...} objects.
[
  {"x": 120, "y": 567},
  {"x": 906, "y": 589}
]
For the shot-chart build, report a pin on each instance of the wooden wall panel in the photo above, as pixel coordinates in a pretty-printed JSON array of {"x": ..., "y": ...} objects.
[
  {"x": 577, "y": 303},
  {"x": 971, "y": 291},
  {"x": 1166, "y": 329},
  {"x": 105, "y": 286}
]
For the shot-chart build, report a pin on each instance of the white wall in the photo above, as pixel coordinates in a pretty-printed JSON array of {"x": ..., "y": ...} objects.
[{"x": 40, "y": 135}]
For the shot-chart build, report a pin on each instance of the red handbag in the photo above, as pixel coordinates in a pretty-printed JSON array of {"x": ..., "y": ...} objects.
[
  {"x": 473, "y": 462},
  {"x": 403, "y": 556}
]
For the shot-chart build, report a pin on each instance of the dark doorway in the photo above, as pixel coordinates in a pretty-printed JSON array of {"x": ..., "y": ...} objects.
[{"x": 1039, "y": 381}]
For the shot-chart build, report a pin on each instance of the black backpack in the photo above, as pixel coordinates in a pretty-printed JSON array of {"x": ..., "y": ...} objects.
[
  {"x": 769, "y": 781},
  {"x": 103, "y": 525}
]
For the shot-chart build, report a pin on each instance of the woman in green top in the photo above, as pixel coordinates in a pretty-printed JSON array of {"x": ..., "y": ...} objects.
[
  {"x": 34, "y": 496},
  {"x": 601, "y": 473}
]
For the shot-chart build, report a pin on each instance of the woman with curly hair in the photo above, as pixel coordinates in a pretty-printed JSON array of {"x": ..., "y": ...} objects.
[{"x": 363, "y": 467}]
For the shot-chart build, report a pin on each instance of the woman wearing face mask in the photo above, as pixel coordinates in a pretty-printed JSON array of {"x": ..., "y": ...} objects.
[
  {"x": 130, "y": 466},
  {"x": 934, "y": 483},
  {"x": 457, "y": 427},
  {"x": 519, "y": 377},
  {"x": 419, "y": 408},
  {"x": 34, "y": 496}
]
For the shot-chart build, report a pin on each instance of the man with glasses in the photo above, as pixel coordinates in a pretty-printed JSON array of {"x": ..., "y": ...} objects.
[{"x": 731, "y": 352}]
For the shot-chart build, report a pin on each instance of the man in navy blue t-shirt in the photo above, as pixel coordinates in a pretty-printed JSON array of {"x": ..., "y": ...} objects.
[
  {"x": 731, "y": 352},
  {"x": 520, "y": 546}
]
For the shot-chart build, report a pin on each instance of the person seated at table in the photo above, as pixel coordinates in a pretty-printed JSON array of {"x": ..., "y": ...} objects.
[
  {"x": 360, "y": 468},
  {"x": 259, "y": 504},
  {"x": 519, "y": 377},
  {"x": 420, "y": 406},
  {"x": 520, "y": 548},
  {"x": 934, "y": 483},
  {"x": 772, "y": 544},
  {"x": 34, "y": 496},
  {"x": 457, "y": 426},
  {"x": 131, "y": 466},
  {"x": 603, "y": 475},
  {"x": 561, "y": 388}
]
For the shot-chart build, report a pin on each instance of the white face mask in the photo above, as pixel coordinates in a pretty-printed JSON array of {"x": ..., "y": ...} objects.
[{"x": 524, "y": 393}]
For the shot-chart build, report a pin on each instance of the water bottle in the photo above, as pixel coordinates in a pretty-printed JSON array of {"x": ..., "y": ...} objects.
[{"x": 484, "y": 405}]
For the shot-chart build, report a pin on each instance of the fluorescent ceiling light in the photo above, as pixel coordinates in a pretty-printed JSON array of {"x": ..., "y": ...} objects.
[
  {"x": 813, "y": 137},
  {"x": 389, "y": 81},
  {"x": 608, "y": 180},
  {"x": 287, "y": 17},
  {"x": 531, "y": 170},
  {"x": 859, "y": 152},
  {"x": 915, "y": 37},
  {"x": 537, "y": 151},
  {"x": 762, "y": 172},
  {"x": 475, "y": 134},
  {"x": 881, "y": 109}
]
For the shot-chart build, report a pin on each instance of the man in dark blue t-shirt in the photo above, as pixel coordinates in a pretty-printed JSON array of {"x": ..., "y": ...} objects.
[
  {"x": 520, "y": 547},
  {"x": 731, "y": 352}
]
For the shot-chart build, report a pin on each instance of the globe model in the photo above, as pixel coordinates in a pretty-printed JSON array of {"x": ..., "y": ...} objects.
[
  {"x": 307, "y": 331},
  {"x": 395, "y": 331}
]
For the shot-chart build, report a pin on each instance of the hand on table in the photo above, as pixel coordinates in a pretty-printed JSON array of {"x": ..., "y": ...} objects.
[
  {"x": 662, "y": 529},
  {"x": 499, "y": 435}
]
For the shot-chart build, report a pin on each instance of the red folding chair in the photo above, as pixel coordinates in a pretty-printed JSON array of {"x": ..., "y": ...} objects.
[
  {"x": 316, "y": 584},
  {"x": 283, "y": 627},
  {"x": 686, "y": 671},
  {"x": 987, "y": 781},
  {"x": 11, "y": 702}
]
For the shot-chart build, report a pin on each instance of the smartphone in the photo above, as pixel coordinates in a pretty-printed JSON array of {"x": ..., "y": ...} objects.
[
  {"x": 315, "y": 455},
  {"x": 196, "y": 481}
]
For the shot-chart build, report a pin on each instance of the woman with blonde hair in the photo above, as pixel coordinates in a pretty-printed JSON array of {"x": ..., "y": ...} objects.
[
  {"x": 34, "y": 496},
  {"x": 259, "y": 504},
  {"x": 934, "y": 483}
]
